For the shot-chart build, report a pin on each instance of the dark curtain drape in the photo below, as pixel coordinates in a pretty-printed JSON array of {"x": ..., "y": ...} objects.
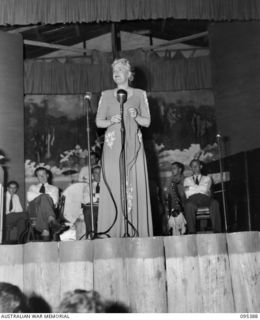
[
  {"x": 67, "y": 11},
  {"x": 152, "y": 73}
]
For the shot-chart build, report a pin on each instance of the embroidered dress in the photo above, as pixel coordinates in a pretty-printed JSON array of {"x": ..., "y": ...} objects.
[{"x": 110, "y": 216}]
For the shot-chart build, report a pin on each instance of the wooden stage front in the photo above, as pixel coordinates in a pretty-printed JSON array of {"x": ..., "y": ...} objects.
[{"x": 191, "y": 273}]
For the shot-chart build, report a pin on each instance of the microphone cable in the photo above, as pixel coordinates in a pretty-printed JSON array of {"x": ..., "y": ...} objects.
[
  {"x": 97, "y": 234},
  {"x": 112, "y": 198},
  {"x": 134, "y": 229},
  {"x": 135, "y": 232}
]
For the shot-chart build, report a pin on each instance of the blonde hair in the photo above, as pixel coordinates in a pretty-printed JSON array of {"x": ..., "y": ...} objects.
[
  {"x": 126, "y": 64},
  {"x": 82, "y": 301}
]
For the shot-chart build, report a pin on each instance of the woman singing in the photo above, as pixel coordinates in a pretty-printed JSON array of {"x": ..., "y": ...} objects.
[{"x": 111, "y": 219}]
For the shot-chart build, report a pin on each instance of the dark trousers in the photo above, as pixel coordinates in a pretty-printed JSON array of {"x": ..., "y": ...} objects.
[
  {"x": 18, "y": 220},
  {"x": 199, "y": 201},
  {"x": 88, "y": 218},
  {"x": 42, "y": 208}
]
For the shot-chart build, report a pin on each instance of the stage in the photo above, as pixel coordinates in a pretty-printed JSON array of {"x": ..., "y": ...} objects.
[{"x": 191, "y": 273}]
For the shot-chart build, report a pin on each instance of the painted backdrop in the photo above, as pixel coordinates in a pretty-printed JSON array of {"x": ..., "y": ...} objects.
[{"x": 183, "y": 127}]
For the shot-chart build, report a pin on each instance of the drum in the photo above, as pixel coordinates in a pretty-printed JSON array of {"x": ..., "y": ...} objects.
[{"x": 74, "y": 197}]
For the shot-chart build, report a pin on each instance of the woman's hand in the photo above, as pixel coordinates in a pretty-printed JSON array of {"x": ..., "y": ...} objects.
[
  {"x": 132, "y": 112},
  {"x": 116, "y": 118}
]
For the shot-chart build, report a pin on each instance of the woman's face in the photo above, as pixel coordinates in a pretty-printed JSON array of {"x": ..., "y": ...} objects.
[{"x": 120, "y": 74}]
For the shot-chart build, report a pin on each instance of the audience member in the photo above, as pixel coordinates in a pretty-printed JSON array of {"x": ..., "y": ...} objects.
[
  {"x": 116, "y": 307},
  {"x": 84, "y": 174},
  {"x": 198, "y": 193},
  {"x": 43, "y": 198},
  {"x": 15, "y": 216},
  {"x": 82, "y": 301},
  {"x": 12, "y": 300},
  {"x": 38, "y": 304}
]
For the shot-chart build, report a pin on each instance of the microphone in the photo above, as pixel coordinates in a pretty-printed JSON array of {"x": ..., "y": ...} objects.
[
  {"x": 218, "y": 136},
  {"x": 121, "y": 96},
  {"x": 88, "y": 96}
]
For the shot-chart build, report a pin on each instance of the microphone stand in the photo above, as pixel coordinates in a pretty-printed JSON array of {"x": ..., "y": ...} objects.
[
  {"x": 221, "y": 180},
  {"x": 87, "y": 106},
  {"x": 123, "y": 169}
]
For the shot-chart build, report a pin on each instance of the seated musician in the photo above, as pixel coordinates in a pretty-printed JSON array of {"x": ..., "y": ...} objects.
[
  {"x": 175, "y": 200},
  {"x": 175, "y": 189},
  {"x": 83, "y": 174},
  {"x": 14, "y": 214},
  {"x": 77, "y": 208},
  {"x": 198, "y": 193},
  {"x": 43, "y": 198}
]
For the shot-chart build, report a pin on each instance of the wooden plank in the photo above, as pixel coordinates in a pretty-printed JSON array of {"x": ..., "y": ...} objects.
[
  {"x": 41, "y": 270},
  {"x": 183, "y": 274},
  {"x": 200, "y": 276},
  {"x": 179, "y": 40},
  {"x": 11, "y": 264},
  {"x": 215, "y": 277},
  {"x": 55, "y": 46},
  {"x": 109, "y": 269},
  {"x": 146, "y": 280},
  {"x": 115, "y": 40},
  {"x": 12, "y": 107},
  {"x": 244, "y": 255},
  {"x": 76, "y": 265}
]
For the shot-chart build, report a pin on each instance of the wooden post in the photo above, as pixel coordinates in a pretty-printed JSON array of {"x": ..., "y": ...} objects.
[
  {"x": 1, "y": 204},
  {"x": 183, "y": 274},
  {"x": 109, "y": 269},
  {"x": 216, "y": 287},
  {"x": 146, "y": 280},
  {"x": 41, "y": 270},
  {"x": 76, "y": 265},
  {"x": 12, "y": 106},
  {"x": 244, "y": 256},
  {"x": 11, "y": 264}
]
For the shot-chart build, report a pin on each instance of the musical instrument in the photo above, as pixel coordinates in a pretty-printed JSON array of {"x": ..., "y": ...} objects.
[{"x": 74, "y": 197}]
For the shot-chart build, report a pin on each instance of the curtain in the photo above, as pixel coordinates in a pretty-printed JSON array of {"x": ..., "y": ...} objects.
[
  {"x": 68, "y": 11},
  {"x": 152, "y": 73}
]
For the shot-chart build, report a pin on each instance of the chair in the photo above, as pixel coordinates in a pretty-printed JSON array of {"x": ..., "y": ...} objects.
[
  {"x": 11, "y": 234},
  {"x": 31, "y": 233},
  {"x": 203, "y": 220}
]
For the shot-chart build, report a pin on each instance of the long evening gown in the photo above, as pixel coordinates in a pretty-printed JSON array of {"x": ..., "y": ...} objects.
[{"x": 110, "y": 216}]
